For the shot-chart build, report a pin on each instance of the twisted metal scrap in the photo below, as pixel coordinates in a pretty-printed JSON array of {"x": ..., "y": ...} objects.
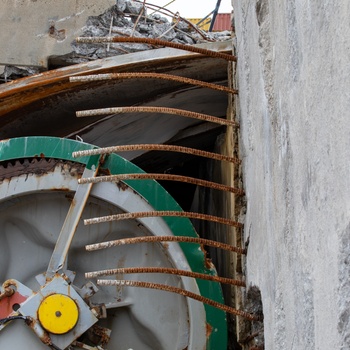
[
  {"x": 149, "y": 109},
  {"x": 148, "y": 214},
  {"x": 156, "y": 147},
  {"x": 157, "y": 42},
  {"x": 168, "y": 177},
  {"x": 152, "y": 239},
  {"x": 111, "y": 76},
  {"x": 7, "y": 290},
  {"x": 171, "y": 271},
  {"x": 180, "y": 291}
]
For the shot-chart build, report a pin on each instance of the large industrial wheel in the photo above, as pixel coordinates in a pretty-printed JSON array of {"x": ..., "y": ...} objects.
[{"x": 38, "y": 184}]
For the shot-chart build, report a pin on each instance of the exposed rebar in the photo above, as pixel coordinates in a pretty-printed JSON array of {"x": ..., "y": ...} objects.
[
  {"x": 180, "y": 291},
  {"x": 153, "y": 239},
  {"x": 163, "y": 177},
  {"x": 165, "y": 270},
  {"x": 156, "y": 147},
  {"x": 156, "y": 42},
  {"x": 184, "y": 80},
  {"x": 149, "y": 214},
  {"x": 151, "y": 109},
  {"x": 167, "y": 12}
]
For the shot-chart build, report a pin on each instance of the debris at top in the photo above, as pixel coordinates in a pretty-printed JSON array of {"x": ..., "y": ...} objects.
[
  {"x": 127, "y": 18},
  {"x": 137, "y": 19}
]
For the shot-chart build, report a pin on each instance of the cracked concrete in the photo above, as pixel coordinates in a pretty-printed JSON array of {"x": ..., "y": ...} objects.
[{"x": 294, "y": 102}]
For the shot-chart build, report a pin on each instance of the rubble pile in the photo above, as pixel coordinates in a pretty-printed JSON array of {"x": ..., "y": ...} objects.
[
  {"x": 131, "y": 18},
  {"x": 126, "y": 18}
]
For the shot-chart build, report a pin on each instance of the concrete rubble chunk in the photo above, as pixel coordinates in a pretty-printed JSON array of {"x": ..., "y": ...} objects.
[
  {"x": 121, "y": 5},
  {"x": 134, "y": 7},
  {"x": 129, "y": 18},
  {"x": 163, "y": 31}
]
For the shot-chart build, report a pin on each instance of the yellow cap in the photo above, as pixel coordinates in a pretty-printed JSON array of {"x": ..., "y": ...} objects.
[{"x": 58, "y": 313}]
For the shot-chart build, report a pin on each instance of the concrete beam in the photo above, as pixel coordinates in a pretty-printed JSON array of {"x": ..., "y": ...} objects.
[
  {"x": 33, "y": 30},
  {"x": 293, "y": 74}
]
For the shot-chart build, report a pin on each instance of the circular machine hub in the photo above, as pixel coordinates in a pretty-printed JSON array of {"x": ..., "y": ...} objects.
[
  {"x": 38, "y": 182},
  {"x": 58, "y": 314}
]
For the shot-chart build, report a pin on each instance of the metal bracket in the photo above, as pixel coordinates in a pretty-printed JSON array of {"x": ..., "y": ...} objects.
[{"x": 59, "y": 255}]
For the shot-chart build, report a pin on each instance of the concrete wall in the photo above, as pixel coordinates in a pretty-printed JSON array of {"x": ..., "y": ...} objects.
[
  {"x": 294, "y": 100},
  {"x": 56, "y": 24}
]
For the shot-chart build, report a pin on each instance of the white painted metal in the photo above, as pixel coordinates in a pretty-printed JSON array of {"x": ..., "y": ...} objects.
[
  {"x": 59, "y": 255},
  {"x": 32, "y": 211}
]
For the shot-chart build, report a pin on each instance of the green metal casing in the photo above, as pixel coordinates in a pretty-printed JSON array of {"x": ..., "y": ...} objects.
[{"x": 154, "y": 193}]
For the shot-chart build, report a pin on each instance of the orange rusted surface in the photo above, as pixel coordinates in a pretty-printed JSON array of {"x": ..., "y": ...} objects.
[
  {"x": 45, "y": 104},
  {"x": 6, "y": 304}
]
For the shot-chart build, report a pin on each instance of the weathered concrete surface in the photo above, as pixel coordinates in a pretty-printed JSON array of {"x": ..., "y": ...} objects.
[
  {"x": 32, "y": 30},
  {"x": 293, "y": 76}
]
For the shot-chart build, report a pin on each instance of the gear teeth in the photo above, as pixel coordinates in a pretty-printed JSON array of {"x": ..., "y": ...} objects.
[{"x": 38, "y": 166}]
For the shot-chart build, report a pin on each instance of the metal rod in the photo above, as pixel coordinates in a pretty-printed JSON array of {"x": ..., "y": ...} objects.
[
  {"x": 166, "y": 177},
  {"x": 60, "y": 252},
  {"x": 149, "y": 109},
  {"x": 185, "y": 80},
  {"x": 148, "y": 214},
  {"x": 170, "y": 271},
  {"x": 180, "y": 291},
  {"x": 138, "y": 18},
  {"x": 153, "y": 239},
  {"x": 157, "y": 42},
  {"x": 163, "y": 7},
  {"x": 156, "y": 147},
  {"x": 176, "y": 22},
  {"x": 204, "y": 18},
  {"x": 214, "y": 15},
  {"x": 169, "y": 13}
]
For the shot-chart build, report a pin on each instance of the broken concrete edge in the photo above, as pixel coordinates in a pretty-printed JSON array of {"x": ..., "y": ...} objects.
[
  {"x": 121, "y": 60},
  {"x": 126, "y": 18}
]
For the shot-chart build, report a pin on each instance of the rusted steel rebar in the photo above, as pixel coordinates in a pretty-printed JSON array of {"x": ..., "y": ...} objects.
[
  {"x": 163, "y": 213},
  {"x": 156, "y": 147},
  {"x": 167, "y": 12},
  {"x": 165, "y": 270},
  {"x": 156, "y": 42},
  {"x": 167, "y": 177},
  {"x": 138, "y": 75},
  {"x": 180, "y": 291},
  {"x": 160, "y": 110},
  {"x": 153, "y": 239}
]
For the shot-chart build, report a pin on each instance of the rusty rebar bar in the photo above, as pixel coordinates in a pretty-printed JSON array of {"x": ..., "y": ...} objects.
[
  {"x": 180, "y": 291},
  {"x": 164, "y": 177},
  {"x": 151, "y": 109},
  {"x": 161, "y": 9},
  {"x": 139, "y": 75},
  {"x": 156, "y": 147},
  {"x": 165, "y": 270},
  {"x": 162, "y": 213},
  {"x": 178, "y": 239},
  {"x": 156, "y": 42}
]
